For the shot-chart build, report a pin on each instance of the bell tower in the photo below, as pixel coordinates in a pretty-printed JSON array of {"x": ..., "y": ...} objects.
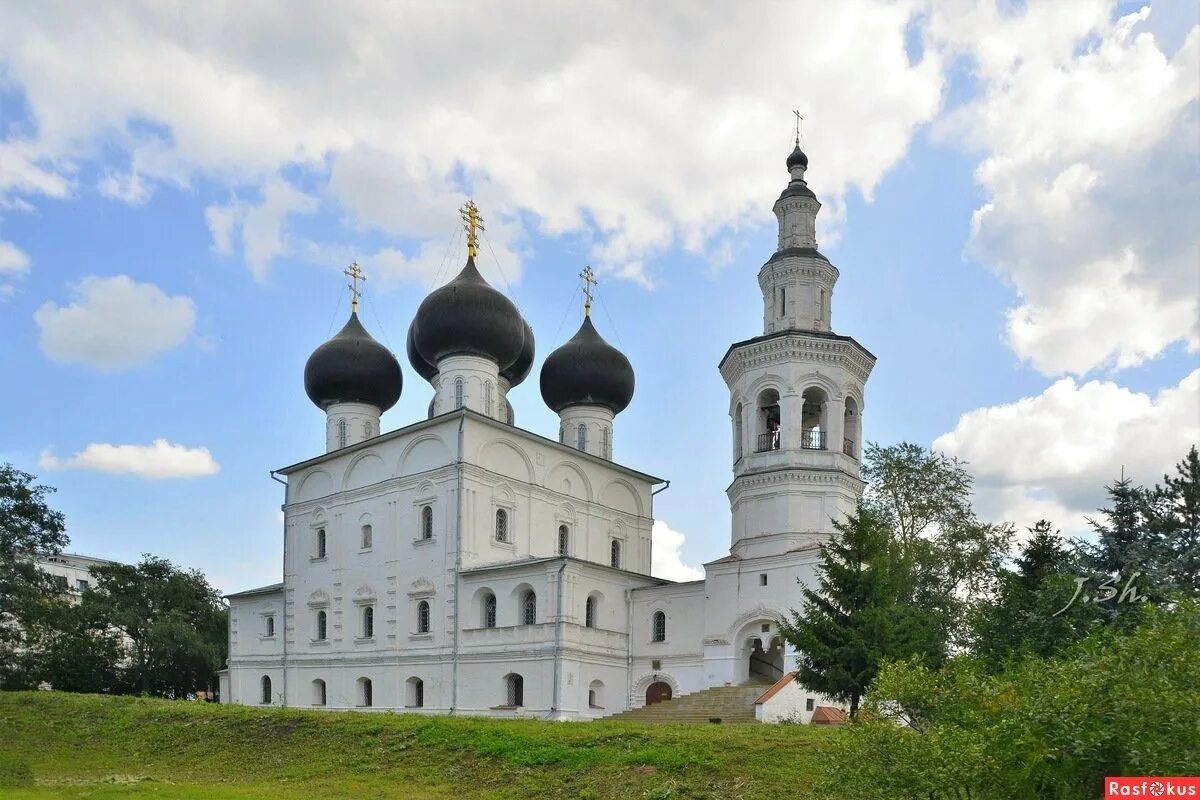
[{"x": 796, "y": 394}]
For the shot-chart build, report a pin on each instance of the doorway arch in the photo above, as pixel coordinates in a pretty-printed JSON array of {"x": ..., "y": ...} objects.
[{"x": 657, "y": 692}]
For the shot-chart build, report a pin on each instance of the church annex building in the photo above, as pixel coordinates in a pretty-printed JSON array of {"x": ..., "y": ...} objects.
[{"x": 462, "y": 564}]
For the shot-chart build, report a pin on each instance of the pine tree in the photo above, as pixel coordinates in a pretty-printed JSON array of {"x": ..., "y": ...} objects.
[
  {"x": 1173, "y": 512},
  {"x": 842, "y": 632}
]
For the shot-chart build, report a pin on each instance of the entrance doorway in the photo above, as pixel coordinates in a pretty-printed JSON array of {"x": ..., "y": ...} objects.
[
  {"x": 657, "y": 692},
  {"x": 766, "y": 664}
]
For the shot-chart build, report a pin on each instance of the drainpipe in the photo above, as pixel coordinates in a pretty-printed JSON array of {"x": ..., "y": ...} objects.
[
  {"x": 629, "y": 649},
  {"x": 558, "y": 632},
  {"x": 457, "y": 563},
  {"x": 275, "y": 478}
]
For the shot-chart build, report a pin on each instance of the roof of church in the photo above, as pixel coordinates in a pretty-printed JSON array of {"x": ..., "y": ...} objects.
[
  {"x": 274, "y": 587},
  {"x": 547, "y": 559},
  {"x": 353, "y": 368},
  {"x": 474, "y": 415},
  {"x": 587, "y": 370}
]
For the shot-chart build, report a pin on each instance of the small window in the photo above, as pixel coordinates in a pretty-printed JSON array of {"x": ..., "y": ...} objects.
[
  {"x": 501, "y": 525},
  {"x": 423, "y": 617},
  {"x": 514, "y": 690},
  {"x": 529, "y": 609},
  {"x": 660, "y": 626},
  {"x": 321, "y": 551},
  {"x": 266, "y": 690},
  {"x": 489, "y": 611},
  {"x": 368, "y": 622},
  {"x": 614, "y": 554},
  {"x": 342, "y": 436},
  {"x": 810, "y": 704},
  {"x": 564, "y": 539},
  {"x": 766, "y": 627},
  {"x": 589, "y": 613},
  {"x": 416, "y": 693},
  {"x": 656, "y": 665},
  {"x": 81, "y": 585},
  {"x": 365, "y": 693},
  {"x": 581, "y": 437},
  {"x": 762, "y": 579},
  {"x": 322, "y": 625},
  {"x": 368, "y": 536},
  {"x": 426, "y": 522},
  {"x": 592, "y": 698},
  {"x": 366, "y": 429},
  {"x": 270, "y": 626},
  {"x": 458, "y": 392},
  {"x": 782, "y": 300},
  {"x": 606, "y": 442},
  {"x": 488, "y": 400},
  {"x": 318, "y": 692}
]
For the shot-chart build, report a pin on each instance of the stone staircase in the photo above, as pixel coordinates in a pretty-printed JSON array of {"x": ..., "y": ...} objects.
[{"x": 732, "y": 705}]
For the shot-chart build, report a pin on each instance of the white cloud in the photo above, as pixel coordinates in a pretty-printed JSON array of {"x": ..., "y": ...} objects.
[
  {"x": 1091, "y": 140},
  {"x": 637, "y": 126},
  {"x": 262, "y": 229},
  {"x": 127, "y": 187},
  {"x": 114, "y": 324},
  {"x": 13, "y": 259},
  {"x": 666, "y": 550},
  {"x": 1051, "y": 455},
  {"x": 158, "y": 461}
]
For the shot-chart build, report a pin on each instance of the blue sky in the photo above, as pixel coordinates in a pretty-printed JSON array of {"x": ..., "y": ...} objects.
[{"x": 178, "y": 197}]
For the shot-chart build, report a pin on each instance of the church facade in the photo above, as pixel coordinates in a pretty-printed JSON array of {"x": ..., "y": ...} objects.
[{"x": 462, "y": 564}]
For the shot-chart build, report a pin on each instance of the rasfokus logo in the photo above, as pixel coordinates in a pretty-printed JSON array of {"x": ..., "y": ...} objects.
[{"x": 1151, "y": 787}]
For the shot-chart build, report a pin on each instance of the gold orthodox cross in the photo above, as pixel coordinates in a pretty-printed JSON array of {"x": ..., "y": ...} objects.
[
  {"x": 355, "y": 274},
  {"x": 589, "y": 280},
  {"x": 473, "y": 223}
]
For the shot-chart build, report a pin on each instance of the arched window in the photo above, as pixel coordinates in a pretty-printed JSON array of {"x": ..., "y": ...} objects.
[
  {"x": 589, "y": 613},
  {"x": 365, "y": 698},
  {"x": 596, "y": 694},
  {"x": 367, "y": 537},
  {"x": 266, "y": 690},
  {"x": 488, "y": 397},
  {"x": 366, "y": 429},
  {"x": 318, "y": 692},
  {"x": 581, "y": 437},
  {"x": 416, "y": 693},
  {"x": 606, "y": 442},
  {"x": 322, "y": 625},
  {"x": 321, "y": 551},
  {"x": 489, "y": 611},
  {"x": 769, "y": 421},
  {"x": 850, "y": 428},
  {"x": 614, "y": 553},
  {"x": 814, "y": 420},
  {"x": 426, "y": 522},
  {"x": 564, "y": 539},
  {"x": 501, "y": 525},
  {"x": 423, "y": 616},
  {"x": 458, "y": 392},
  {"x": 737, "y": 432},
  {"x": 270, "y": 626},
  {"x": 782, "y": 301},
  {"x": 659, "y": 625},
  {"x": 342, "y": 433},
  {"x": 514, "y": 686},
  {"x": 529, "y": 608},
  {"x": 368, "y": 622}
]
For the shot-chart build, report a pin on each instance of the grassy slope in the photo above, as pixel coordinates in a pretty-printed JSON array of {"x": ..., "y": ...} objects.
[{"x": 56, "y": 745}]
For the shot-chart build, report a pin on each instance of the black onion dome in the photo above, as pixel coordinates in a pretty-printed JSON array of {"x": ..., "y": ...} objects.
[
  {"x": 519, "y": 370},
  {"x": 468, "y": 317},
  {"x": 353, "y": 368},
  {"x": 423, "y": 368},
  {"x": 797, "y": 158},
  {"x": 587, "y": 371}
]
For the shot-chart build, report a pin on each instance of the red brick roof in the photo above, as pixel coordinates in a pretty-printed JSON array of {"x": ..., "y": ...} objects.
[
  {"x": 828, "y": 715},
  {"x": 776, "y": 688}
]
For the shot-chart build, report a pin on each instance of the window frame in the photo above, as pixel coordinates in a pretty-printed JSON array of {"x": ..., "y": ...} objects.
[
  {"x": 424, "y": 616},
  {"x": 658, "y": 626}
]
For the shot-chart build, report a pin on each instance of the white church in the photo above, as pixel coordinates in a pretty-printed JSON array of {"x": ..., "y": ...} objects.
[{"x": 465, "y": 565}]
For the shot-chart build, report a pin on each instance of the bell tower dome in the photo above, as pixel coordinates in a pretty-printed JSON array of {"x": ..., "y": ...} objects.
[{"x": 796, "y": 394}]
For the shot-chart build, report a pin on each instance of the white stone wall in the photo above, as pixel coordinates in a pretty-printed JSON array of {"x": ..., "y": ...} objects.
[{"x": 358, "y": 421}]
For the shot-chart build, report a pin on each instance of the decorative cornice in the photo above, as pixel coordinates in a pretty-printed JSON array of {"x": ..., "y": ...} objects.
[{"x": 796, "y": 346}]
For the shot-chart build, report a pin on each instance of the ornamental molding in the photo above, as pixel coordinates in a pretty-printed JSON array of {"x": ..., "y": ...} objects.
[
  {"x": 422, "y": 587},
  {"x": 802, "y": 267},
  {"x": 744, "y": 484},
  {"x": 318, "y": 598},
  {"x": 797, "y": 348},
  {"x": 364, "y": 595}
]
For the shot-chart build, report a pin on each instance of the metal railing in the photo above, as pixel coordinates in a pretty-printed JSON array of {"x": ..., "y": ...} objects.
[
  {"x": 812, "y": 439},
  {"x": 767, "y": 441}
]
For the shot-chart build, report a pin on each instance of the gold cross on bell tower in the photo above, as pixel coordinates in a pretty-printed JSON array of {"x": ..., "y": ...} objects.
[
  {"x": 589, "y": 280},
  {"x": 474, "y": 224},
  {"x": 799, "y": 119},
  {"x": 355, "y": 274}
]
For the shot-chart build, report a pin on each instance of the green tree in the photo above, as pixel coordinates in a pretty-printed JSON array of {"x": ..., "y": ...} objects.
[
  {"x": 842, "y": 633},
  {"x": 73, "y": 652},
  {"x": 1173, "y": 517},
  {"x": 944, "y": 557},
  {"x": 1032, "y": 610},
  {"x": 28, "y": 528},
  {"x": 173, "y": 621}
]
